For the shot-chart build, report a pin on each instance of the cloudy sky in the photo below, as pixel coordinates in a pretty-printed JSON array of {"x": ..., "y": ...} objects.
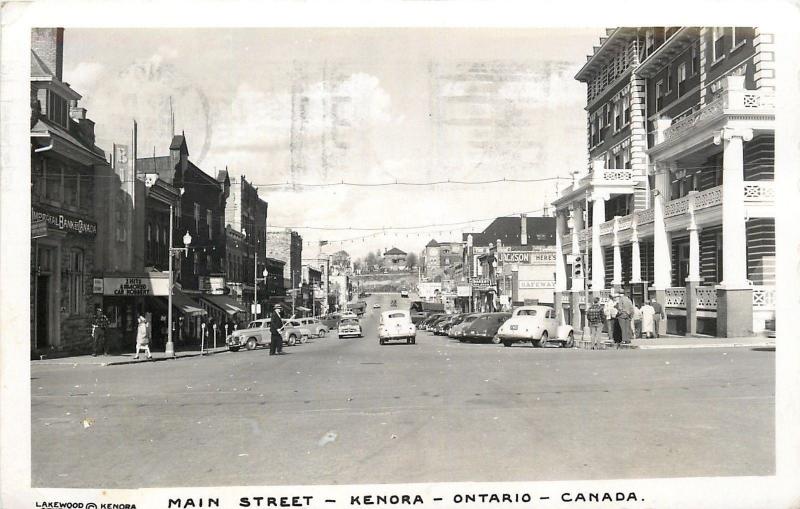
[{"x": 316, "y": 106}]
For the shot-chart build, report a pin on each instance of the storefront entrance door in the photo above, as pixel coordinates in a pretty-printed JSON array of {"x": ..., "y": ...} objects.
[{"x": 42, "y": 311}]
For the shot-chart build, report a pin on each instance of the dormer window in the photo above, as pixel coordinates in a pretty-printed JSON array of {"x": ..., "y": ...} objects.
[{"x": 57, "y": 109}]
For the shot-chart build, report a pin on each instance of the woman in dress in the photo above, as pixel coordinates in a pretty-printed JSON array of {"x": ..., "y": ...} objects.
[
  {"x": 142, "y": 337},
  {"x": 648, "y": 320}
]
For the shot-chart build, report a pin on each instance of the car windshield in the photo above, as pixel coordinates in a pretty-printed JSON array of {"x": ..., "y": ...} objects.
[{"x": 349, "y": 321}]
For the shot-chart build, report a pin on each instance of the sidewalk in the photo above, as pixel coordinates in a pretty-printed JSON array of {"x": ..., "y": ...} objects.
[
  {"x": 673, "y": 341},
  {"x": 119, "y": 359}
]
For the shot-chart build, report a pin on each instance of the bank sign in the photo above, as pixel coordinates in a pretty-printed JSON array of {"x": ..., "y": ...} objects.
[
  {"x": 135, "y": 286},
  {"x": 64, "y": 222},
  {"x": 527, "y": 257}
]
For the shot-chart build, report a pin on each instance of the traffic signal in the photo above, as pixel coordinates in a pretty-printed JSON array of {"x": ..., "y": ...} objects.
[{"x": 577, "y": 267}]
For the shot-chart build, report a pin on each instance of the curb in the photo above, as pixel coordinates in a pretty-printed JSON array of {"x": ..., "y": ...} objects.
[
  {"x": 62, "y": 362},
  {"x": 707, "y": 345}
]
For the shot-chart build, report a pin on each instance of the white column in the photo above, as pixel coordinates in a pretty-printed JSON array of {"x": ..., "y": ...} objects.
[
  {"x": 662, "y": 266},
  {"x": 598, "y": 262},
  {"x": 617, "y": 279},
  {"x": 636, "y": 259},
  {"x": 561, "y": 275},
  {"x": 734, "y": 233},
  {"x": 694, "y": 243}
]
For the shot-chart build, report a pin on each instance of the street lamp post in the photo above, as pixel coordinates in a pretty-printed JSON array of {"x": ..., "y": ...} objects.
[
  {"x": 169, "y": 350},
  {"x": 255, "y": 290}
]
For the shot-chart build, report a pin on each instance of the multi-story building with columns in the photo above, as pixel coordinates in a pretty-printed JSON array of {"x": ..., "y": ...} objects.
[{"x": 701, "y": 127}]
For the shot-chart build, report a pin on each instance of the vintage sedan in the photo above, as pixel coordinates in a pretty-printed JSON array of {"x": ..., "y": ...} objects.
[
  {"x": 457, "y": 329},
  {"x": 396, "y": 325},
  {"x": 485, "y": 327},
  {"x": 313, "y": 327},
  {"x": 350, "y": 327},
  {"x": 537, "y": 324},
  {"x": 255, "y": 334}
]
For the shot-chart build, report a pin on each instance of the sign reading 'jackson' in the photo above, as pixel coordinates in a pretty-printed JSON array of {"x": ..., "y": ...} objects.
[
  {"x": 527, "y": 257},
  {"x": 64, "y": 222}
]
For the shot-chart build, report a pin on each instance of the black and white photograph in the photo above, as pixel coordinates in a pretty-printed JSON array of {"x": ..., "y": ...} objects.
[{"x": 462, "y": 264}]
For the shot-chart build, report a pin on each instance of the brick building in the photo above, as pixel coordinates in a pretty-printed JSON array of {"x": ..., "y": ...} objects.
[
  {"x": 287, "y": 246},
  {"x": 394, "y": 260},
  {"x": 699, "y": 125}
]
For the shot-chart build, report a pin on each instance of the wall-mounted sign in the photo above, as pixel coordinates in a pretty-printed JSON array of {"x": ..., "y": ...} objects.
[
  {"x": 38, "y": 229},
  {"x": 64, "y": 222},
  {"x": 464, "y": 291},
  {"x": 479, "y": 283},
  {"x": 528, "y": 257},
  {"x": 136, "y": 286},
  {"x": 536, "y": 284},
  {"x": 97, "y": 286},
  {"x": 214, "y": 285}
]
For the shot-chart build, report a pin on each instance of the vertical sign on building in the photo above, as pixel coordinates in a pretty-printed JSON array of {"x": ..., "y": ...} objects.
[{"x": 121, "y": 220}]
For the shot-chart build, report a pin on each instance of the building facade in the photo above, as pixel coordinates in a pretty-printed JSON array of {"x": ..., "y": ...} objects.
[
  {"x": 394, "y": 260},
  {"x": 287, "y": 246},
  {"x": 65, "y": 163},
  {"x": 701, "y": 126}
]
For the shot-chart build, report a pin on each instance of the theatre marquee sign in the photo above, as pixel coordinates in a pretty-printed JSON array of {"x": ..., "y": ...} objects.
[{"x": 136, "y": 286}]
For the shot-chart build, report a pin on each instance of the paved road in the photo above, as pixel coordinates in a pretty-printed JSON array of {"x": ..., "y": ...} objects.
[{"x": 351, "y": 411}]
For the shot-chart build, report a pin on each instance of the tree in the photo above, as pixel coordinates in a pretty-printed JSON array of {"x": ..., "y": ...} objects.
[
  {"x": 340, "y": 260},
  {"x": 358, "y": 265},
  {"x": 370, "y": 261},
  {"x": 411, "y": 260}
]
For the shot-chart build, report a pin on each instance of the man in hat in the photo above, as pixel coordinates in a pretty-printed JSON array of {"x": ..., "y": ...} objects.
[
  {"x": 275, "y": 327},
  {"x": 99, "y": 324}
]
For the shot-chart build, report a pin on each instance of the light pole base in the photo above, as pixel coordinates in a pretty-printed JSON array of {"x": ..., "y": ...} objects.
[{"x": 169, "y": 350}]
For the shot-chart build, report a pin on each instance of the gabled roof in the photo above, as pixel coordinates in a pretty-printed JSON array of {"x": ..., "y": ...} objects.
[
  {"x": 394, "y": 251},
  {"x": 432, "y": 243},
  {"x": 179, "y": 143},
  {"x": 161, "y": 165},
  {"x": 222, "y": 175}
]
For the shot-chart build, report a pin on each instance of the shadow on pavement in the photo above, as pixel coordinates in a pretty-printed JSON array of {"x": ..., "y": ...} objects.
[{"x": 763, "y": 349}]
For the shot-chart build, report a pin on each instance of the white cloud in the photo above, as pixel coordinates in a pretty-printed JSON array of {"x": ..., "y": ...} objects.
[{"x": 84, "y": 75}]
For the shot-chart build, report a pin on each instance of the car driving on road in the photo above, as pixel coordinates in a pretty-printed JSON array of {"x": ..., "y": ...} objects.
[
  {"x": 537, "y": 324},
  {"x": 350, "y": 327},
  {"x": 313, "y": 327},
  {"x": 396, "y": 325}
]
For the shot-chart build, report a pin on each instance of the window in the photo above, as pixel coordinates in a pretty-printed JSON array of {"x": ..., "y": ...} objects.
[
  {"x": 194, "y": 263},
  {"x": 196, "y": 217},
  {"x": 209, "y": 264},
  {"x": 649, "y": 41},
  {"x": 682, "y": 79},
  {"x": 626, "y": 111},
  {"x": 209, "y": 224},
  {"x": 669, "y": 79},
  {"x": 75, "y": 289},
  {"x": 617, "y": 116},
  {"x": 717, "y": 48},
  {"x": 71, "y": 187},
  {"x": 659, "y": 94},
  {"x": 57, "y": 109},
  {"x": 52, "y": 180},
  {"x": 738, "y": 37},
  {"x": 695, "y": 60}
]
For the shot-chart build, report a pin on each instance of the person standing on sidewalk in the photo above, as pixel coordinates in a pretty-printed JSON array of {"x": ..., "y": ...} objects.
[
  {"x": 610, "y": 312},
  {"x": 624, "y": 315},
  {"x": 648, "y": 320},
  {"x": 595, "y": 315},
  {"x": 657, "y": 317},
  {"x": 636, "y": 322},
  {"x": 275, "y": 328},
  {"x": 142, "y": 337},
  {"x": 99, "y": 324}
]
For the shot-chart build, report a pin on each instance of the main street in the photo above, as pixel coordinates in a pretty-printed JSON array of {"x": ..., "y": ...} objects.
[{"x": 349, "y": 411}]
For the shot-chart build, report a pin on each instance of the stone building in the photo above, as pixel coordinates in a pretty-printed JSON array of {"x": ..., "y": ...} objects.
[{"x": 287, "y": 246}]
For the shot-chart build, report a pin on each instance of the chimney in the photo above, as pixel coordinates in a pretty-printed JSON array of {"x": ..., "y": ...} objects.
[
  {"x": 48, "y": 44},
  {"x": 523, "y": 229}
]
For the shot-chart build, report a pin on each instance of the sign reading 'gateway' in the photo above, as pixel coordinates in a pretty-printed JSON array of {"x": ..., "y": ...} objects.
[
  {"x": 64, "y": 222},
  {"x": 527, "y": 257}
]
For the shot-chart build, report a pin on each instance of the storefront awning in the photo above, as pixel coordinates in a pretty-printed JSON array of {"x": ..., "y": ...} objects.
[
  {"x": 224, "y": 303},
  {"x": 186, "y": 304}
]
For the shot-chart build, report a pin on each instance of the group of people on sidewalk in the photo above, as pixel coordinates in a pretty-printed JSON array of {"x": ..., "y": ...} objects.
[{"x": 623, "y": 320}]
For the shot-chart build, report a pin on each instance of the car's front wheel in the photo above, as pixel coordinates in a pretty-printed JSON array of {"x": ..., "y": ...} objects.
[
  {"x": 292, "y": 340},
  {"x": 251, "y": 344},
  {"x": 570, "y": 342},
  {"x": 323, "y": 333}
]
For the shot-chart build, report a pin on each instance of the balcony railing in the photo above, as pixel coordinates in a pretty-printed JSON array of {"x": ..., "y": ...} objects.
[
  {"x": 615, "y": 175},
  {"x": 677, "y": 207},
  {"x": 607, "y": 227},
  {"x": 763, "y": 297},
  {"x": 760, "y": 191},
  {"x": 676, "y": 297}
]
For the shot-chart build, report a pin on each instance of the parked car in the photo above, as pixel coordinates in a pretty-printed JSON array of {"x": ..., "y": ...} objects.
[
  {"x": 435, "y": 324},
  {"x": 537, "y": 324},
  {"x": 485, "y": 327},
  {"x": 350, "y": 327},
  {"x": 255, "y": 334},
  {"x": 404, "y": 294},
  {"x": 396, "y": 325},
  {"x": 377, "y": 305},
  {"x": 313, "y": 327},
  {"x": 427, "y": 321},
  {"x": 457, "y": 329},
  {"x": 331, "y": 321},
  {"x": 443, "y": 326},
  {"x": 348, "y": 314},
  {"x": 294, "y": 332}
]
